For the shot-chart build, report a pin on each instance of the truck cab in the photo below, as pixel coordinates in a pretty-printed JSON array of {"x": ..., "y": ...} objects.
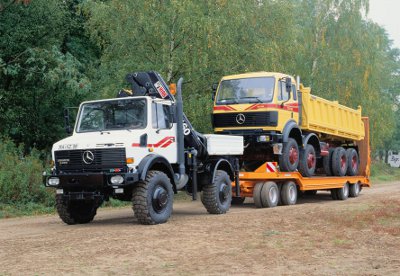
[
  {"x": 255, "y": 103},
  {"x": 264, "y": 108},
  {"x": 140, "y": 147}
]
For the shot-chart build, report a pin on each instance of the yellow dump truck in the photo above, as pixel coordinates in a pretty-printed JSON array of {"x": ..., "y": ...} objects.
[{"x": 282, "y": 121}]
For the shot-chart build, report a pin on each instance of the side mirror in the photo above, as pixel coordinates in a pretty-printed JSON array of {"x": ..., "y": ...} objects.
[
  {"x": 67, "y": 123},
  {"x": 214, "y": 90},
  {"x": 288, "y": 85}
]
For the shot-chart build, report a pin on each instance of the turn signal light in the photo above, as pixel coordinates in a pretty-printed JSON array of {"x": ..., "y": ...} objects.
[
  {"x": 172, "y": 88},
  {"x": 130, "y": 160}
]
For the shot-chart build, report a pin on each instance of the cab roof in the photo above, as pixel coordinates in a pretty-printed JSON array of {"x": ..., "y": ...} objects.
[{"x": 257, "y": 75}]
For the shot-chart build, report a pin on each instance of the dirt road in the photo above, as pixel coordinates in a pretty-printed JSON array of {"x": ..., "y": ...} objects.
[{"x": 318, "y": 236}]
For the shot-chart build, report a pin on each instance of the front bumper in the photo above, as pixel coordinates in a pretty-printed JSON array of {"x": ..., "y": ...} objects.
[{"x": 93, "y": 180}]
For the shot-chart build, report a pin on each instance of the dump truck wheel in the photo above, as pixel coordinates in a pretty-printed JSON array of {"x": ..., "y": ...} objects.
[
  {"x": 334, "y": 194},
  {"x": 238, "y": 200},
  {"x": 217, "y": 196},
  {"x": 152, "y": 198},
  {"x": 339, "y": 161},
  {"x": 266, "y": 195},
  {"x": 353, "y": 162},
  {"x": 308, "y": 161},
  {"x": 289, "y": 193},
  {"x": 289, "y": 159},
  {"x": 327, "y": 162},
  {"x": 354, "y": 189},
  {"x": 76, "y": 211}
]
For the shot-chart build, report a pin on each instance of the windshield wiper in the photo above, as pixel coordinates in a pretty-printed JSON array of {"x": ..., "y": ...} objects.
[
  {"x": 235, "y": 100},
  {"x": 257, "y": 98}
]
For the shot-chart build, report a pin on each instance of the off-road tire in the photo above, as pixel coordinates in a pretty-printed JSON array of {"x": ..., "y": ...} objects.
[
  {"x": 152, "y": 199},
  {"x": 285, "y": 163},
  {"x": 339, "y": 162},
  {"x": 76, "y": 211},
  {"x": 327, "y": 162},
  {"x": 354, "y": 190},
  {"x": 343, "y": 193},
  {"x": 307, "y": 167},
  {"x": 238, "y": 200},
  {"x": 289, "y": 193},
  {"x": 353, "y": 162},
  {"x": 217, "y": 196}
]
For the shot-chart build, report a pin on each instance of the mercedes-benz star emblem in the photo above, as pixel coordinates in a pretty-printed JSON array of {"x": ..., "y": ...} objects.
[
  {"x": 240, "y": 119},
  {"x": 88, "y": 157}
]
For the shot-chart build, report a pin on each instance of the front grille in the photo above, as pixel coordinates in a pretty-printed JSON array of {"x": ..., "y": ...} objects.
[
  {"x": 252, "y": 119},
  {"x": 104, "y": 159}
]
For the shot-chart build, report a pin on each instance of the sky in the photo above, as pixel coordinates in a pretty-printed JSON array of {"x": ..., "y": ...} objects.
[{"x": 386, "y": 14}]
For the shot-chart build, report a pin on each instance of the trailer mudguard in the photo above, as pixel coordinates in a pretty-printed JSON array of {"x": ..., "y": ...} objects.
[
  {"x": 292, "y": 130},
  {"x": 156, "y": 162}
]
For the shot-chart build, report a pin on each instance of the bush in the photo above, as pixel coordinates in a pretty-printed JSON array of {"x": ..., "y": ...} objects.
[{"x": 21, "y": 176}]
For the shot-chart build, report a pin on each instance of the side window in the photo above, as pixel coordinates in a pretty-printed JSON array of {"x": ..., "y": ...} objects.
[
  {"x": 294, "y": 92},
  {"x": 161, "y": 116},
  {"x": 283, "y": 94}
]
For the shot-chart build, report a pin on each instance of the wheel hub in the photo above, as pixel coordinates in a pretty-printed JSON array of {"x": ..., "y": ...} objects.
[
  {"x": 293, "y": 155},
  {"x": 160, "y": 199},
  {"x": 223, "y": 192},
  {"x": 310, "y": 160}
]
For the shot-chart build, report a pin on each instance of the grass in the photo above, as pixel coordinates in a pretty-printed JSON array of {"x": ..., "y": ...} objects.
[{"x": 381, "y": 172}]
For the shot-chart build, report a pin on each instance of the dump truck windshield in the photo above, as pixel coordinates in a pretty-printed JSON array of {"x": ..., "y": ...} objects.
[
  {"x": 113, "y": 115},
  {"x": 249, "y": 90}
]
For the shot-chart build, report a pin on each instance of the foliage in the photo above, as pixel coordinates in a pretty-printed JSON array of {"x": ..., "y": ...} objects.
[
  {"x": 381, "y": 172},
  {"x": 37, "y": 79},
  {"x": 20, "y": 176}
]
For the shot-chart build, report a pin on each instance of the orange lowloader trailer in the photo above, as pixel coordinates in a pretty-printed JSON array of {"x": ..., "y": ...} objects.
[{"x": 269, "y": 187}]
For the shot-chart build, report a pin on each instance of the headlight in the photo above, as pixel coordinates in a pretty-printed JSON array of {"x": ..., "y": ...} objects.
[
  {"x": 53, "y": 181},
  {"x": 116, "y": 179}
]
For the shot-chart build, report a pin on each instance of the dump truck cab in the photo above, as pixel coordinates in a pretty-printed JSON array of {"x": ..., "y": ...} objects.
[
  {"x": 255, "y": 103},
  {"x": 263, "y": 107}
]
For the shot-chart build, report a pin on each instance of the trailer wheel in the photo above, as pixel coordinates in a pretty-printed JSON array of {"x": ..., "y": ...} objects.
[
  {"x": 327, "y": 162},
  {"x": 238, "y": 200},
  {"x": 76, "y": 211},
  {"x": 289, "y": 159},
  {"x": 343, "y": 193},
  {"x": 308, "y": 161},
  {"x": 266, "y": 194},
  {"x": 353, "y": 162},
  {"x": 289, "y": 193},
  {"x": 354, "y": 189},
  {"x": 334, "y": 194},
  {"x": 217, "y": 196},
  {"x": 339, "y": 161},
  {"x": 152, "y": 198}
]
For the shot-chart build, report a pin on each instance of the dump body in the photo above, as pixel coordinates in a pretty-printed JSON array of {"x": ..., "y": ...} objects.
[{"x": 329, "y": 117}]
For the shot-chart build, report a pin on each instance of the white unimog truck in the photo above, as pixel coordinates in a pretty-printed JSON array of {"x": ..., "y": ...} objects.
[{"x": 140, "y": 147}]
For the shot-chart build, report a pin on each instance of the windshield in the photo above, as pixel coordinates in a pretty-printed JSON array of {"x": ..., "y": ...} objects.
[
  {"x": 113, "y": 115},
  {"x": 250, "y": 90}
]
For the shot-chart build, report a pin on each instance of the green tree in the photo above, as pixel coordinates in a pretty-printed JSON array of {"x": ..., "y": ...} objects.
[{"x": 38, "y": 75}]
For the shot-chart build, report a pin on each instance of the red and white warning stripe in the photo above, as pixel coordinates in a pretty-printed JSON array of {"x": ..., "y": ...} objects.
[{"x": 271, "y": 167}]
